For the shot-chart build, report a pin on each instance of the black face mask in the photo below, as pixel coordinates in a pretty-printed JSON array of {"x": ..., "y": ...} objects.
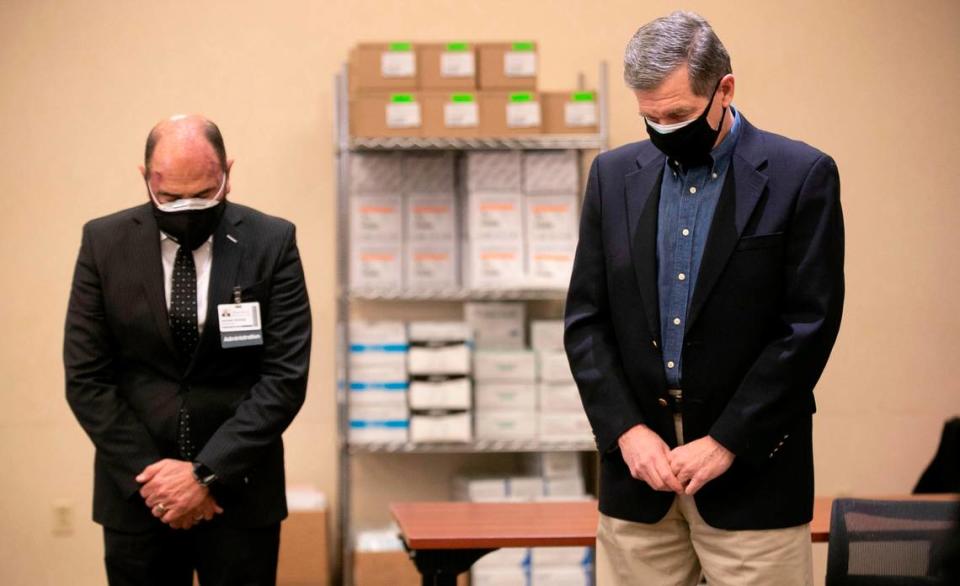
[
  {"x": 691, "y": 144},
  {"x": 190, "y": 228}
]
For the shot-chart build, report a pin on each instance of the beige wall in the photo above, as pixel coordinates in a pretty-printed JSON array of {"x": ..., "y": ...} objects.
[{"x": 872, "y": 83}]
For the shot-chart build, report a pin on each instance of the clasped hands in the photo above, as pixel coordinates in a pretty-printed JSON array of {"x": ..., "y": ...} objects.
[
  {"x": 683, "y": 470},
  {"x": 174, "y": 495}
]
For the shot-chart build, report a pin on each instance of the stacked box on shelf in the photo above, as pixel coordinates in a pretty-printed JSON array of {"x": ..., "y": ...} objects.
[
  {"x": 383, "y": 82},
  {"x": 506, "y": 394},
  {"x": 439, "y": 365},
  {"x": 572, "y": 112},
  {"x": 493, "y": 250},
  {"x": 497, "y": 325},
  {"x": 377, "y": 392},
  {"x": 376, "y": 220},
  {"x": 550, "y": 186},
  {"x": 431, "y": 231},
  {"x": 561, "y": 417}
]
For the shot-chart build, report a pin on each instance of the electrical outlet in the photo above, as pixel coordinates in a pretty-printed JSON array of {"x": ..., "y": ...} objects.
[{"x": 62, "y": 518}]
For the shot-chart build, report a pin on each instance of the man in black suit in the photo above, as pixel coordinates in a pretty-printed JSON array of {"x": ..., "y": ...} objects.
[
  {"x": 705, "y": 300},
  {"x": 186, "y": 351}
]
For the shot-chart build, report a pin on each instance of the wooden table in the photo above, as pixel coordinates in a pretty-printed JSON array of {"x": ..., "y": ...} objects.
[{"x": 445, "y": 538}]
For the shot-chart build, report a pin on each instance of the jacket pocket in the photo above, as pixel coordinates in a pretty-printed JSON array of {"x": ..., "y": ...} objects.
[{"x": 762, "y": 241}]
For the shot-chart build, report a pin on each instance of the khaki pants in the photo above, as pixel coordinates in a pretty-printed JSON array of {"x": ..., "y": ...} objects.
[{"x": 675, "y": 550}]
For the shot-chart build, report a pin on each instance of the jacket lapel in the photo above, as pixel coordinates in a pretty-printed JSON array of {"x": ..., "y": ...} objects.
[
  {"x": 742, "y": 190},
  {"x": 228, "y": 249},
  {"x": 150, "y": 266},
  {"x": 643, "y": 202}
]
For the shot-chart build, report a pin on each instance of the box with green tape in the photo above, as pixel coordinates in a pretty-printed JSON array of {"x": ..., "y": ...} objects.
[
  {"x": 380, "y": 67},
  {"x": 447, "y": 66},
  {"x": 507, "y": 66},
  {"x": 570, "y": 112}
]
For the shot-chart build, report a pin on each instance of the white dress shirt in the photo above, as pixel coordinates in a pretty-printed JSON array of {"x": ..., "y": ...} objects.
[{"x": 202, "y": 258}]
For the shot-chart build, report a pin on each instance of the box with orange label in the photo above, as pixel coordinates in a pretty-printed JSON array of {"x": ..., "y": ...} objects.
[
  {"x": 450, "y": 114},
  {"x": 383, "y": 67},
  {"x": 507, "y": 66},
  {"x": 549, "y": 264},
  {"x": 493, "y": 265},
  {"x": 495, "y": 216},
  {"x": 510, "y": 114},
  {"x": 570, "y": 112},
  {"x": 551, "y": 218},
  {"x": 376, "y": 241},
  {"x": 386, "y": 114},
  {"x": 447, "y": 66},
  {"x": 432, "y": 259}
]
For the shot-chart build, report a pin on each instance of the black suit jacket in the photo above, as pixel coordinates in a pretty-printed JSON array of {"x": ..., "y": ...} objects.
[
  {"x": 761, "y": 325},
  {"x": 125, "y": 381}
]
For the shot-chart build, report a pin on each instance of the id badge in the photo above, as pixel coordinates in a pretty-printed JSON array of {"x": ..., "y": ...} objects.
[{"x": 240, "y": 324}]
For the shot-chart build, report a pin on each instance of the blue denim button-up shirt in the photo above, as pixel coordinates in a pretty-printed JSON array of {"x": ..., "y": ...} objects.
[{"x": 688, "y": 199}]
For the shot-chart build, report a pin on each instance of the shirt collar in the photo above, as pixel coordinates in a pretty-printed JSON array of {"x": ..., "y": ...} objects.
[
  {"x": 164, "y": 236},
  {"x": 720, "y": 155}
]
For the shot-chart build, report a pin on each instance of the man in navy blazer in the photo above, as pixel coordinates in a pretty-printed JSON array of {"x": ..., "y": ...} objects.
[{"x": 705, "y": 299}]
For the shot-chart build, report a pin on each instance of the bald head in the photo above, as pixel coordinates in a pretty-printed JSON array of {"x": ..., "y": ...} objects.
[
  {"x": 185, "y": 158},
  {"x": 185, "y": 137}
]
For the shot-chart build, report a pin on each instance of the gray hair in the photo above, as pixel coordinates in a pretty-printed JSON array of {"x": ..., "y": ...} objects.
[{"x": 662, "y": 45}]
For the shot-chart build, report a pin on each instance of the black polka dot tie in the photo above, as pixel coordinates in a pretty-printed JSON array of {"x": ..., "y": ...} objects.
[{"x": 186, "y": 334}]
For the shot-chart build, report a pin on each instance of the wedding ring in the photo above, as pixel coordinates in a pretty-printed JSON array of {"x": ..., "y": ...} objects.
[{"x": 161, "y": 508}]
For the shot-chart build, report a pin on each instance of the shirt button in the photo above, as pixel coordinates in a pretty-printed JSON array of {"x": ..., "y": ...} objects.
[
  {"x": 676, "y": 321},
  {"x": 662, "y": 402},
  {"x": 670, "y": 364},
  {"x": 682, "y": 277},
  {"x": 713, "y": 175},
  {"x": 685, "y": 232},
  {"x": 693, "y": 190}
]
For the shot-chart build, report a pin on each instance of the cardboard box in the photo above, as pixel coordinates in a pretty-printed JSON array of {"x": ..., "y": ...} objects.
[
  {"x": 493, "y": 265},
  {"x": 376, "y": 173},
  {"x": 488, "y": 171},
  {"x": 378, "y": 394},
  {"x": 524, "y": 488},
  {"x": 429, "y": 173},
  {"x": 561, "y": 576},
  {"x": 374, "y": 265},
  {"x": 473, "y": 489},
  {"x": 447, "y": 66},
  {"x": 497, "y": 326},
  {"x": 549, "y": 265},
  {"x": 303, "y": 549},
  {"x": 564, "y": 427},
  {"x": 506, "y": 425},
  {"x": 441, "y": 393},
  {"x": 574, "y": 556},
  {"x": 431, "y": 265},
  {"x": 551, "y": 218},
  {"x": 431, "y": 218},
  {"x": 507, "y": 66},
  {"x": 451, "y": 114},
  {"x": 559, "y": 397},
  {"x": 572, "y": 487},
  {"x": 448, "y": 427},
  {"x": 499, "y": 577},
  {"x": 505, "y": 366},
  {"x": 495, "y": 216},
  {"x": 384, "y": 568},
  {"x": 570, "y": 112},
  {"x": 363, "y": 431},
  {"x": 546, "y": 334},
  {"x": 510, "y": 114},
  {"x": 439, "y": 331},
  {"x": 386, "y": 115},
  {"x": 554, "y": 367},
  {"x": 551, "y": 173},
  {"x": 376, "y": 219},
  {"x": 505, "y": 397},
  {"x": 377, "y": 67},
  {"x": 446, "y": 359},
  {"x": 555, "y": 464}
]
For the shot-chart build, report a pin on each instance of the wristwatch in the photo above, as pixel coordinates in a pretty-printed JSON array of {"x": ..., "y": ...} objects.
[{"x": 204, "y": 475}]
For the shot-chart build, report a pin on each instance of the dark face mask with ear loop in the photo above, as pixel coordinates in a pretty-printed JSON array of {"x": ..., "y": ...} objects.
[
  {"x": 189, "y": 227},
  {"x": 689, "y": 145}
]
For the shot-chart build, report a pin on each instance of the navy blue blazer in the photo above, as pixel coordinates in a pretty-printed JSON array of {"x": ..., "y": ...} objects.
[{"x": 762, "y": 322}]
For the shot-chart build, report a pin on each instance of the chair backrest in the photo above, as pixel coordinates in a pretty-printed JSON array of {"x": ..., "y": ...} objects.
[{"x": 887, "y": 543}]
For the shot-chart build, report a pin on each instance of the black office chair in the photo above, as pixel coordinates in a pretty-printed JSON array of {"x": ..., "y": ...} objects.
[{"x": 888, "y": 543}]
